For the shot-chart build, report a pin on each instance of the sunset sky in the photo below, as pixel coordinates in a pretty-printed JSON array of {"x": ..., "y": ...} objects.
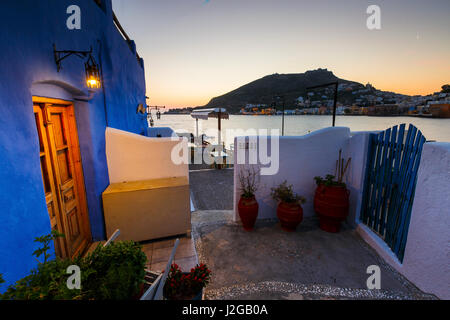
[{"x": 195, "y": 50}]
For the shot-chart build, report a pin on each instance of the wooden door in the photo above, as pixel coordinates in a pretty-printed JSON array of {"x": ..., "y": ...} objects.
[{"x": 62, "y": 175}]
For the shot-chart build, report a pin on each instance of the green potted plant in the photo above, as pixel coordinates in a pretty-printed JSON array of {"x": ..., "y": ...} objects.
[
  {"x": 115, "y": 272},
  {"x": 331, "y": 199},
  {"x": 119, "y": 271},
  {"x": 289, "y": 210},
  {"x": 247, "y": 205},
  {"x": 186, "y": 285}
]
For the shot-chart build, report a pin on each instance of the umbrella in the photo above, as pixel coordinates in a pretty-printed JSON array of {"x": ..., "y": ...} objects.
[{"x": 205, "y": 114}]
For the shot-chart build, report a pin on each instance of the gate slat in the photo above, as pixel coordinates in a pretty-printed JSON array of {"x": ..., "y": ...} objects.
[
  {"x": 374, "y": 196},
  {"x": 402, "y": 246},
  {"x": 397, "y": 196},
  {"x": 390, "y": 172},
  {"x": 407, "y": 191},
  {"x": 407, "y": 155},
  {"x": 368, "y": 174},
  {"x": 381, "y": 188},
  {"x": 395, "y": 182}
]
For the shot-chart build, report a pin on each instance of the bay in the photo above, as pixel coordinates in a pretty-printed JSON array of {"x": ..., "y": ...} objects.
[{"x": 296, "y": 125}]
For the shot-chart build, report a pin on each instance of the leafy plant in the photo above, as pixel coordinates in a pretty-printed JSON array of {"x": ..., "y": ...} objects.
[
  {"x": 330, "y": 180},
  {"x": 47, "y": 282},
  {"x": 249, "y": 182},
  {"x": 285, "y": 193},
  {"x": 113, "y": 272},
  {"x": 119, "y": 270},
  {"x": 45, "y": 241},
  {"x": 181, "y": 285}
]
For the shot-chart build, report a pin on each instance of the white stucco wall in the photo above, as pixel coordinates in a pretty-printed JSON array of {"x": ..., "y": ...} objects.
[
  {"x": 356, "y": 149},
  {"x": 427, "y": 254},
  {"x": 132, "y": 157},
  {"x": 301, "y": 158}
]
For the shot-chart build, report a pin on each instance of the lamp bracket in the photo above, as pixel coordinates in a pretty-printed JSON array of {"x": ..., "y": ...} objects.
[{"x": 60, "y": 55}]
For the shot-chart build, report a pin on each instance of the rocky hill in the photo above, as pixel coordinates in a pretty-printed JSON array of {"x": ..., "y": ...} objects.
[{"x": 291, "y": 86}]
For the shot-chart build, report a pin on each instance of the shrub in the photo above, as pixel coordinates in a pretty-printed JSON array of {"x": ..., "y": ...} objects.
[
  {"x": 47, "y": 282},
  {"x": 328, "y": 181},
  {"x": 341, "y": 169},
  {"x": 285, "y": 193},
  {"x": 114, "y": 272},
  {"x": 249, "y": 182},
  {"x": 119, "y": 270}
]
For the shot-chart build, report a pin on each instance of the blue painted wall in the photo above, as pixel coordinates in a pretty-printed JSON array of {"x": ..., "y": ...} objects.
[{"x": 29, "y": 30}]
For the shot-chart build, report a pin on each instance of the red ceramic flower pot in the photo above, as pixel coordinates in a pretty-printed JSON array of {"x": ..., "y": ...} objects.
[
  {"x": 248, "y": 211},
  {"x": 331, "y": 204},
  {"x": 290, "y": 215}
]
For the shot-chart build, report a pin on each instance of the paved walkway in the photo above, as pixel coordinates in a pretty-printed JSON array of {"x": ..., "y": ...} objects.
[
  {"x": 270, "y": 263},
  {"x": 158, "y": 253},
  {"x": 212, "y": 189}
]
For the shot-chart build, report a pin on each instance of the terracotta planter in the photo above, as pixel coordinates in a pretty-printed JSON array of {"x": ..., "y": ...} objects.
[
  {"x": 331, "y": 204},
  {"x": 248, "y": 211},
  {"x": 290, "y": 215}
]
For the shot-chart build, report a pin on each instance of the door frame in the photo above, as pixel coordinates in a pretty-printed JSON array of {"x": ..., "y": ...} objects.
[{"x": 79, "y": 175}]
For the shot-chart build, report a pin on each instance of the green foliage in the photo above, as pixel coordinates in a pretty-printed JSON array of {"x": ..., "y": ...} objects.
[
  {"x": 47, "y": 282},
  {"x": 114, "y": 272},
  {"x": 249, "y": 182},
  {"x": 45, "y": 241},
  {"x": 119, "y": 271},
  {"x": 285, "y": 193},
  {"x": 1, "y": 279},
  {"x": 328, "y": 181}
]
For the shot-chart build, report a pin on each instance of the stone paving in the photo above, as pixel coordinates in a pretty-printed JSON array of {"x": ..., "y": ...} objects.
[
  {"x": 269, "y": 263},
  {"x": 212, "y": 189},
  {"x": 158, "y": 253}
]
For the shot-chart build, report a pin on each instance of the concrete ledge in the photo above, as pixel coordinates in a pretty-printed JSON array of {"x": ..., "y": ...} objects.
[{"x": 379, "y": 246}]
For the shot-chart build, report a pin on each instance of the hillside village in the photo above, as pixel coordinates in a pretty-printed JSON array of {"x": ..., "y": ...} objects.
[{"x": 356, "y": 99}]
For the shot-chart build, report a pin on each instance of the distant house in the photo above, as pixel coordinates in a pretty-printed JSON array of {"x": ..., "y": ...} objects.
[
  {"x": 355, "y": 109},
  {"x": 53, "y": 166},
  {"x": 383, "y": 110},
  {"x": 365, "y": 110},
  {"x": 340, "y": 110},
  {"x": 440, "y": 110}
]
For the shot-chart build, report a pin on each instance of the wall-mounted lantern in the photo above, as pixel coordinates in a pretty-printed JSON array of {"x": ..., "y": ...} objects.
[{"x": 92, "y": 70}]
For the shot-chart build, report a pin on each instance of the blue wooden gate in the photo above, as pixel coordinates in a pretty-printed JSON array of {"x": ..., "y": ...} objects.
[{"x": 390, "y": 181}]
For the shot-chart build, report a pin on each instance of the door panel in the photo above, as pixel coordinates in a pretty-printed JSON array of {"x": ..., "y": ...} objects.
[
  {"x": 66, "y": 176},
  {"x": 49, "y": 186}
]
